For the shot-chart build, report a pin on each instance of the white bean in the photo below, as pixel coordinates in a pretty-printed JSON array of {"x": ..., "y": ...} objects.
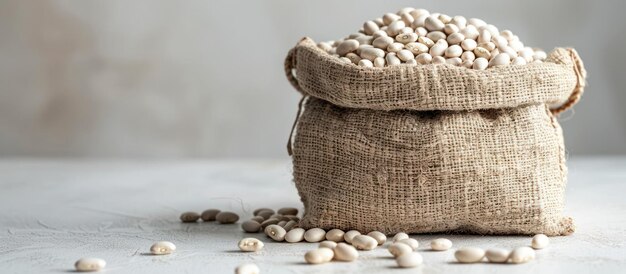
[
  {"x": 414, "y": 244},
  {"x": 336, "y": 235},
  {"x": 416, "y": 48},
  {"x": 89, "y": 264},
  {"x": 497, "y": 255},
  {"x": 469, "y": 254},
  {"x": 424, "y": 58},
  {"x": 518, "y": 61},
  {"x": 345, "y": 60},
  {"x": 328, "y": 244},
  {"x": 247, "y": 268},
  {"x": 468, "y": 56},
  {"x": 440, "y": 244},
  {"x": 370, "y": 27},
  {"x": 436, "y": 36},
  {"x": 439, "y": 48},
  {"x": 314, "y": 235},
  {"x": 378, "y": 236},
  {"x": 389, "y": 18},
  {"x": 162, "y": 248},
  {"x": 438, "y": 60},
  {"x": 347, "y": 46},
  {"x": 450, "y": 29},
  {"x": 480, "y": 63},
  {"x": 468, "y": 44},
  {"x": 250, "y": 244},
  {"x": 522, "y": 255},
  {"x": 397, "y": 249},
  {"x": 476, "y": 22},
  {"x": 379, "y": 62},
  {"x": 189, "y": 217},
  {"x": 405, "y": 55},
  {"x": 455, "y": 61},
  {"x": 395, "y": 27},
  {"x": 364, "y": 242},
  {"x": 484, "y": 36},
  {"x": 453, "y": 51},
  {"x": 501, "y": 59},
  {"x": 470, "y": 32},
  {"x": 392, "y": 60},
  {"x": 426, "y": 41},
  {"x": 400, "y": 236},
  {"x": 319, "y": 256},
  {"x": 371, "y": 53},
  {"x": 382, "y": 42},
  {"x": 365, "y": 63},
  {"x": 406, "y": 38},
  {"x": 409, "y": 260},
  {"x": 459, "y": 21},
  {"x": 395, "y": 47},
  {"x": 539, "y": 241},
  {"x": 276, "y": 232},
  {"x": 295, "y": 235},
  {"x": 455, "y": 38},
  {"x": 433, "y": 23},
  {"x": 345, "y": 252}
]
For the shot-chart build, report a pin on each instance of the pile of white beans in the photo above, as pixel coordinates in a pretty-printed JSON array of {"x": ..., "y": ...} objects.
[
  {"x": 334, "y": 244},
  {"x": 417, "y": 37}
]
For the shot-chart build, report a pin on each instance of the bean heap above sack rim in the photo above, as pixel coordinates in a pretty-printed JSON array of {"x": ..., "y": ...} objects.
[{"x": 417, "y": 37}]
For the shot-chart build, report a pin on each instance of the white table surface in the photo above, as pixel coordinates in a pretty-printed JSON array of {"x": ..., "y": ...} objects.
[{"x": 53, "y": 212}]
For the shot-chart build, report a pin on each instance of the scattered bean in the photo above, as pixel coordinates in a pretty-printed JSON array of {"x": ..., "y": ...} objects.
[
  {"x": 497, "y": 255},
  {"x": 345, "y": 252},
  {"x": 89, "y": 264},
  {"x": 276, "y": 232},
  {"x": 414, "y": 244},
  {"x": 270, "y": 221},
  {"x": 469, "y": 254},
  {"x": 257, "y": 211},
  {"x": 250, "y": 244},
  {"x": 397, "y": 249},
  {"x": 540, "y": 241},
  {"x": 522, "y": 255},
  {"x": 189, "y": 217},
  {"x": 265, "y": 214},
  {"x": 162, "y": 248},
  {"x": 251, "y": 226},
  {"x": 226, "y": 217},
  {"x": 335, "y": 235},
  {"x": 378, "y": 236},
  {"x": 290, "y": 225},
  {"x": 328, "y": 244},
  {"x": 295, "y": 235},
  {"x": 440, "y": 244},
  {"x": 247, "y": 268},
  {"x": 314, "y": 235},
  {"x": 364, "y": 242},
  {"x": 400, "y": 236},
  {"x": 348, "y": 236},
  {"x": 257, "y": 219},
  {"x": 408, "y": 260},
  {"x": 319, "y": 256},
  {"x": 209, "y": 215}
]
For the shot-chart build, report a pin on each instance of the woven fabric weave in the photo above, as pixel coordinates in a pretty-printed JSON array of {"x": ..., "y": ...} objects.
[{"x": 423, "y": 149}]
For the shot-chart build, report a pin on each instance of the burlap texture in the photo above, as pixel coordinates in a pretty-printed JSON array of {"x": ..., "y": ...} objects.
[{"x": 430, "y": 148}]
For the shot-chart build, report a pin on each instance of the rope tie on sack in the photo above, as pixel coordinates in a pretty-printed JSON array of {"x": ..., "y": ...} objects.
[{"x": 577, "y": 93}]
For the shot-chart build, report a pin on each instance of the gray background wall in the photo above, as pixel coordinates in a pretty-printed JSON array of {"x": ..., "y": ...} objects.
[{"x": 204, "y": 78}]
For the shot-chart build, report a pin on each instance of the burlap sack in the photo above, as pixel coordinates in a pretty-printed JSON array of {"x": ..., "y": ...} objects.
[{"x": 431, "y": 148}]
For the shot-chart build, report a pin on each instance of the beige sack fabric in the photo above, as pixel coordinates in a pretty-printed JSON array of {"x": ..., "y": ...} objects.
[{"x": 433, "y": 148}]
